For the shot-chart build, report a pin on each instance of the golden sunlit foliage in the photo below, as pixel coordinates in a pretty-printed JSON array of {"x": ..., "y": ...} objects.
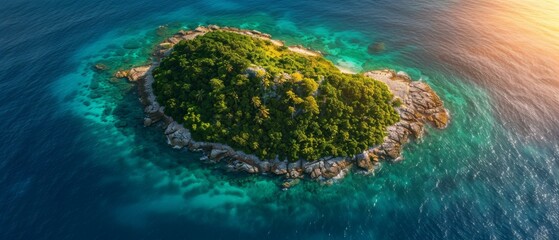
[{"x": 263, "y": 99}]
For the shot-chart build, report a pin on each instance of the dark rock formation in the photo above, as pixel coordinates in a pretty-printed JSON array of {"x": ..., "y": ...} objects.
[{"x": 101, "y": 67}]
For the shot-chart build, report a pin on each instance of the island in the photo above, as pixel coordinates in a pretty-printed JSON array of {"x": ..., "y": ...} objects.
[{"x": 259, "y": 106}]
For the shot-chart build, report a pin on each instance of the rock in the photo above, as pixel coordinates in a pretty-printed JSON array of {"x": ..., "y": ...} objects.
[
  {"x": 165, "y": 45},
  {"x": 335, "y": 167},
  {"x": 392, "y": 149},
  {"x": 138, "y": 72},
  {"x": 152, "y": 108},
  {"x": 404, "y": 75},
  {"x": 416, "y": 129},
  {"x": 173, "y": 40},
  {"x": 101, "y": 67},
  {"x": 376, "y": 47},
  {"x": 279, "y": 168},
  {"x": 179, "y": 139},
  {"x": 440, "y": 119},
  {"x": 201, "y": 29},
  {"x": 242, "y": 167},
  {"x": 407, "y": 114},
  {"x": 218, "y": 154},
  {"x": 294, "y": 170},
  {"x": 177, "y": 136},
  {"x": 316, "y": 173},
  {"x": 121, "y": 74},
  {"x": 290, "y": 183},
  {"x": 264, "y": 166},
  {"x": 363, "y": 161},
  {"x": 421, "y": 105},
  {"x": 171, "y": 128},
  {"x": 147, "y": 122},
  {"x": 213, "y": 27},
  {"x": 328, "y": 169}
]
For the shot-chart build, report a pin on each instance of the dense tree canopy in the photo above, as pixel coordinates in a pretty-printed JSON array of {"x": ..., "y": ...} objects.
[{"x": 267, "y": 100}]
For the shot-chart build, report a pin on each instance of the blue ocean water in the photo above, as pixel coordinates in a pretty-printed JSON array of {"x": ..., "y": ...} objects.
[{"x": 77, "y": 163}]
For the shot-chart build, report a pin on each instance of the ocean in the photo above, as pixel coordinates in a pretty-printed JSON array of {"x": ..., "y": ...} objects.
[{"x": 77, "y": 163}]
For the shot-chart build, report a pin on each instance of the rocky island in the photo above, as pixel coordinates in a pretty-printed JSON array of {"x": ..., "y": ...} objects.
[{"x": 259, "y": 106}]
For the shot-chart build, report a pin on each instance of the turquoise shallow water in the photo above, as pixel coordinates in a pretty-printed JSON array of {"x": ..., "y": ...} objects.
[{"x": 77, "y": 162}]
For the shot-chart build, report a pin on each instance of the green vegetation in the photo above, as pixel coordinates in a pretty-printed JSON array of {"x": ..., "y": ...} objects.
[
  {"x": 397, "y": 102},
  {"x": 264, "y": 99}
]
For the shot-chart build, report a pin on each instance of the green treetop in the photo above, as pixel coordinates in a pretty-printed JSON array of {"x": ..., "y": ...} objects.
[{"x": 266, "y": 100}]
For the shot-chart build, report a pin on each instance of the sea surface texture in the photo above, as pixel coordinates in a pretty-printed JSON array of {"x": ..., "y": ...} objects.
[{"x": 77, "y": 163}]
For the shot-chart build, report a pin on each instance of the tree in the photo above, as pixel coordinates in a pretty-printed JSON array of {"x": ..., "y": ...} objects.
[
  {"x": 311, "y": 105},
  {"x": 296, "y": 107}
]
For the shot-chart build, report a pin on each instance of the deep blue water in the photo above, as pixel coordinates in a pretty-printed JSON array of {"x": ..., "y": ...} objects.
[{"x": 76, "y": 162}]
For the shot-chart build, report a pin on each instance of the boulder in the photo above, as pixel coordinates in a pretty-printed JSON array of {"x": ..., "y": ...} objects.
[
  {"x": 242, "y": 167},
  {"x": 165, "y": 45},
  {"x": 122, "y": 74},
  {"x": 152, "y": 108},
  {"x": 201, "y": 29},
  {"x": 279, "y": 168},
  {"x": 440, "y": 119},
  {"x": 416, "y": 129},
  {"x": 179, "y": 138},
  {"x": 294, "y": 170},
  {"x": 138, "y": 72},
  {"x": 264, "y": 166},
  {"x": 171, "y": 128},
  {"x": 173, "y": 40},
  {"x": 392, "y": 149},
  {"x": 363, "y": 161},
  {"x": 290, "y": 183},
  {"x": 403, "y": 75},
  {"x": 218, "y": 154},
  {"x": 147, "y": 122}
]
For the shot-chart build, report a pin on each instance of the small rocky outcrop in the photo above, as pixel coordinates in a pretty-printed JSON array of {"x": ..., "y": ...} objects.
[
  {"x": 133, "y": 74},
  {"x": 364, "y": 161},
  {"x": 239, "y": 166},
  {"x": 420, "y": 105},
  {"x": 290, "y": 183}
]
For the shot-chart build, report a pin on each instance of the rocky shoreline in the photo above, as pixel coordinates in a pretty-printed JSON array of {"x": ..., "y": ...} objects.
[{"x": 420, "y": 105}]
